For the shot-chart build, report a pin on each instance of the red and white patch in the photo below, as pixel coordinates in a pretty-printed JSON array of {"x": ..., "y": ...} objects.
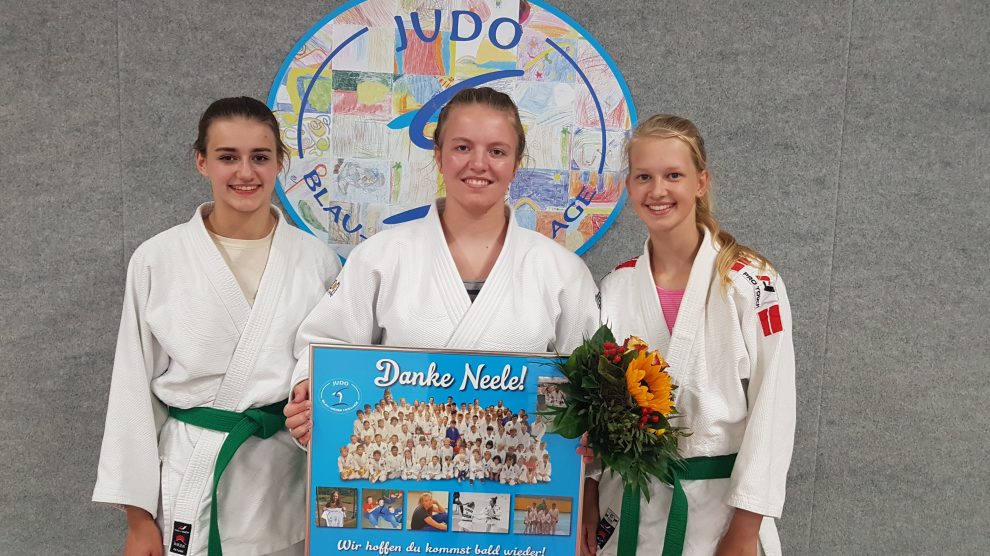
[
  {"x": 770, "y": 320},
  {"x": 628, "y": 264},
  {"x": 740, "y": 264}
]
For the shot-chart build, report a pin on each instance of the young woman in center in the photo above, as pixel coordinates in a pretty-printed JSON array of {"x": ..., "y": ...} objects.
[
  {"x": 719, "y": 314},
  {"x": 466, "y": 276}
]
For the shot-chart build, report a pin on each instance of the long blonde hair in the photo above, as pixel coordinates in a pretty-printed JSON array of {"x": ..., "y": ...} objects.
[{"x": 667, "y": 126}]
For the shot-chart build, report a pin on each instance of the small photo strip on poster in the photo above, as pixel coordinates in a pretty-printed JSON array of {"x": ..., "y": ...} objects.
[
  {"x": 480, "y": 512},
  {"x": 542, "y": 515},
  {"x": 548, "y": 394},
  {"x": 428, "y": 511},
  {"x": 336, "y": 507},
  {"x": 382, "y": 509}
]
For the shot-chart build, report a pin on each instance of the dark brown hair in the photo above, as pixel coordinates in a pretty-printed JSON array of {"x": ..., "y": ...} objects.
[
  {"x": 240, "y": 107},
  {"x": 485, "y": 96}
]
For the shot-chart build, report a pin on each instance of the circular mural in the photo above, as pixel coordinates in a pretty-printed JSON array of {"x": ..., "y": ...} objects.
[{"x": 359, "y": 95}]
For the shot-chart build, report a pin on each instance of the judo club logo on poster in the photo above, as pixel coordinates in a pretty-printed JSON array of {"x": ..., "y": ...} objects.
[
  {"x": 359, "y": 94},
  {"x": 340, "y": 396}
]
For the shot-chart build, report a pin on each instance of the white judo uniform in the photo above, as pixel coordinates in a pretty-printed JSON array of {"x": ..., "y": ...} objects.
[
  {"x": 401, "y": 288},
  {"x": 189, "y": 338},
  {"x": 732, "y": 358}
]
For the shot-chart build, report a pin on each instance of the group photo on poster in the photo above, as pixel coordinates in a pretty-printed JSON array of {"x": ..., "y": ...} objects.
[{"x": 430, "y": 441}]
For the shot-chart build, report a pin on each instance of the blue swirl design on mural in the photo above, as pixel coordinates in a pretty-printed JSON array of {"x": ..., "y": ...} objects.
[
  {"x": 594, "y": 97},
  {"x": 316, "y": 76}
]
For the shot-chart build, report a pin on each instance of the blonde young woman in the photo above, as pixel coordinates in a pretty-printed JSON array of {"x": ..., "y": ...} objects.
[{"x": 719, "y": 314}]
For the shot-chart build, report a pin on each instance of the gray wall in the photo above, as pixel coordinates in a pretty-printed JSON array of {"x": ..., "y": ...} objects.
[{"x": 848, "y": 143}]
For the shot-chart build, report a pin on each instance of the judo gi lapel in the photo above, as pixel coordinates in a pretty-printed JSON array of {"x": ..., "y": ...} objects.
[
  {"x": 217, "y": 271},
  {"x": 692, "y": 310},
  {"x": 652, "y": 314},
  {"x": 489, "y": 302},
  {"x": 259, "y": 321},
  {"x": 448, "y": 282},
  {"x": 251, "y": 323},
  {"x": 469, "y": 320}
]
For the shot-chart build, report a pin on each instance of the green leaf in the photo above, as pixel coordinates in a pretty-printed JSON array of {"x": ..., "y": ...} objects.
[
  {"x": 570, "y": 424},
  {"x": 602, "y": 335}
]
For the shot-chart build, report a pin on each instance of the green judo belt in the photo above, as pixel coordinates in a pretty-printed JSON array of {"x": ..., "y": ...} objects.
[
  {"x": 262, "y": 422},
  {"x": 691, "y": 469}
]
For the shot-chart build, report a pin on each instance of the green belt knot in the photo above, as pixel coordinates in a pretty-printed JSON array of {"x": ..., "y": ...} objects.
[{"x": 268, "y": 423}]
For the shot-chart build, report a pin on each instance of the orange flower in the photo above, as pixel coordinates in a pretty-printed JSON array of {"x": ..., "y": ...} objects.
[{"x": 648, "y": 384}]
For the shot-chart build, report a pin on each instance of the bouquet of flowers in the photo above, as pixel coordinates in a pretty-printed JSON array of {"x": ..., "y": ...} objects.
[{"x": 623, "y": 398}]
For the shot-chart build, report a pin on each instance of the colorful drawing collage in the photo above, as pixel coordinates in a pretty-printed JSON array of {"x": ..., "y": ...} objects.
[{"x": 348, "y": 91}]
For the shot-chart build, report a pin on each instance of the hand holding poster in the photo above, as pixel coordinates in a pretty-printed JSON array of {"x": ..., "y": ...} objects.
[{"x": 439, "y": 452}]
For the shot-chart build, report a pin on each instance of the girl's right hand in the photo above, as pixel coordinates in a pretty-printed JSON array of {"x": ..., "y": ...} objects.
[
  {"x": 143, "y": 536},
  {"x": 299, "y": 414}
]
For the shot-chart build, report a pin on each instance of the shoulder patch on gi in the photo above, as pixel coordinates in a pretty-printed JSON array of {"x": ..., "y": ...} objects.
[
  {"x": 628, "y": 264},
  {"x": 741, "y": 263},
  {"x": 744, "y": 274},
  {"x": 770, "y": 320},
  {"x": 333, "y": 288}
]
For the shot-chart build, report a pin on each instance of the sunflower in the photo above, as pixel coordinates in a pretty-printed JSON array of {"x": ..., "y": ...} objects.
[{"x": 648, "y": 384}]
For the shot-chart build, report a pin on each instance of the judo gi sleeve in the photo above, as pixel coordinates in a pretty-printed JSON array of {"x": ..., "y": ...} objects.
[
  {"x": 760, "y": 474},
  {"x": 129, "y": 471},
  {"x": 347, "y": 314}
]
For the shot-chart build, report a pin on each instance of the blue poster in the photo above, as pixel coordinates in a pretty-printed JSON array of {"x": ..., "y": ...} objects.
[{"x": 439, "y": 452}]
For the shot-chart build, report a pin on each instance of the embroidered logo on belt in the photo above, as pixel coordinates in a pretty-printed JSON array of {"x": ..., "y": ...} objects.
[{"x": 180, "y": 538}]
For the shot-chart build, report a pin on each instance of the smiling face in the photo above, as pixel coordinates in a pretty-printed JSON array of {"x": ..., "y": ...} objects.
[
  {"x": 477, "y": 156},
  {"x": 241, "y": 163},
  {"x": 664, "y": 185}
]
